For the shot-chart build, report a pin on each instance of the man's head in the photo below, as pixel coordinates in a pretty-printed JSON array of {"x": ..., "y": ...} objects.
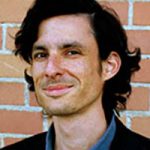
[{"x": 105, "y": 30}]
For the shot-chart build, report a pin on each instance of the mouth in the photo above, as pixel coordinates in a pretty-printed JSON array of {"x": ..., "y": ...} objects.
[{"x": 57, "y": 90}]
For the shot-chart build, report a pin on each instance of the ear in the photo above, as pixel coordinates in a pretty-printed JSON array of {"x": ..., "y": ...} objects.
[{"x": 111, "y": 66}]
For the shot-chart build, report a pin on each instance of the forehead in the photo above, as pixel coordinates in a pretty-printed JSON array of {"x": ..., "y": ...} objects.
[
  {"x": 76, "y": 19},
  {"x": 66, "y": 26},
  {"x": 73, "y": 30}
]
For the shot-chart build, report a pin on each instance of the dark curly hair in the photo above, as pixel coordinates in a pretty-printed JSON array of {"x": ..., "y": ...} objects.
[{"x": 108, "y": 33}]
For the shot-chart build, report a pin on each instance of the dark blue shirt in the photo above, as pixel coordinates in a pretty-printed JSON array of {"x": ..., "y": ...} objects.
[{"x": 103, "y": 143}]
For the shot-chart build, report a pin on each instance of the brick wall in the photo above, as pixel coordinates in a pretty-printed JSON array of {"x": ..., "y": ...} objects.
[{"x": 20, "y": 116}]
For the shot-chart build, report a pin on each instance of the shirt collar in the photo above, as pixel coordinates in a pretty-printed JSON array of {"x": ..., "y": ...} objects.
[
  {"x": 104, "y": 142},
  {"x": 50, "y": 138}
]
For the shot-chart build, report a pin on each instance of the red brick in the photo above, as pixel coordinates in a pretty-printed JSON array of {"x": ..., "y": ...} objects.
[
  {"x": 9, "y": 141},
  {"x": 139, "y": 99},
  {"x": 11, "y": 66},
  {"x": 20, "y": 122},
  {"x": 143, "y": 75},
  {"x": 14, "y": 10},
  {"x": 141, "y": 125},
  {"x": 139, "y": 39},
  {"x": 8, "y": 94},
  {"x": 33, "y": 100},
  {"x": 141, "y": 13},
  {"x": 10, "y": 38},
  {"x": 0, "y": 37},
  {"x": 121, "y": 8}
]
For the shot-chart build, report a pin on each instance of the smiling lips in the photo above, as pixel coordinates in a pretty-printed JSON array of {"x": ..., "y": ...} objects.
[{"x": 57, "y": 90}]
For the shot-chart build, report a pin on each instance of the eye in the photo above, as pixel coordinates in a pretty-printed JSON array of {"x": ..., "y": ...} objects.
[
  {"x": 39, "y": 56},
  {"x": 72, "y": 52}
]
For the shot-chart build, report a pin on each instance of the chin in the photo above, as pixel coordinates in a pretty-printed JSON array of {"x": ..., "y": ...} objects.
[{"x": 59, "y": 109}]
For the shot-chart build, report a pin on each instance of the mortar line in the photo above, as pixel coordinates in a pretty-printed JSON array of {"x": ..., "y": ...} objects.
[
  {"x": 14, "y": 135},
  {"x": 145, "y": 85},
  {"x": 4, "y": 31},
  {"x": 128, "y": 122},
  {"x": 145, "y": 56},
  {"x": 45, "y": 124},
  {"x": 21, "y": 108},
  {"x": 135, "y": 113},
  {"x": 26, "y": 95},
  {"x": 130, "y": 13},
  {"x": 136, "y": 27},
  {"x": 1, "y": 142},
  {"x": 16, "y": 80}
]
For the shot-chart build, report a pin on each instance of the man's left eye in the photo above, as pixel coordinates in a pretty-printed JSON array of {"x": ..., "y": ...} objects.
[{"x": 73, "y": 52}]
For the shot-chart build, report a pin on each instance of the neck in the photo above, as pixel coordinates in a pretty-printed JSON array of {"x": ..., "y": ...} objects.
[{"x": 81, "y": 130}]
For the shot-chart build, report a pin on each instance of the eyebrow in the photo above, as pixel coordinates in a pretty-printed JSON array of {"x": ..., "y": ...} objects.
[
  {"x": 71, "y": 44},
  {"x": 38, "y": 47},
  {"x": 66, "y": 45}
]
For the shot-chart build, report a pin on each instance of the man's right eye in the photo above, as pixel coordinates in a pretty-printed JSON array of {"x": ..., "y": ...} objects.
[{"x": 39, "y": 56}]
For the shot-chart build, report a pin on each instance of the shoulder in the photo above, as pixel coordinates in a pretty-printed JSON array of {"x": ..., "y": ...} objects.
[
  {"x": 35, "y": 142},
  {"x": 126, "y": 139}
]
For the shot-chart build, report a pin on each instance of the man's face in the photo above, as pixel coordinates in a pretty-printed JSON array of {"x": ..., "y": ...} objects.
[{"x": 66, "y": 67}]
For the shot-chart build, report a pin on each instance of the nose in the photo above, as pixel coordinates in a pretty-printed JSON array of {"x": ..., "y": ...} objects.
[{"x": 54, "y": 68}]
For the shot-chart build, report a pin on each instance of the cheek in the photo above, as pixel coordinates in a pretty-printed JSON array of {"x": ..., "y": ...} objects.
[
  {"x": 78, "y": 69},
  {"x": 84, "y": 70},
  {"x": 37, "y": 71},
  {"x": 86, "y": 67}
]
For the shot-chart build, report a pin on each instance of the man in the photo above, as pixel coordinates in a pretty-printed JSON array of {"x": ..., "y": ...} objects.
[{"x": 80, "y": 70}]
